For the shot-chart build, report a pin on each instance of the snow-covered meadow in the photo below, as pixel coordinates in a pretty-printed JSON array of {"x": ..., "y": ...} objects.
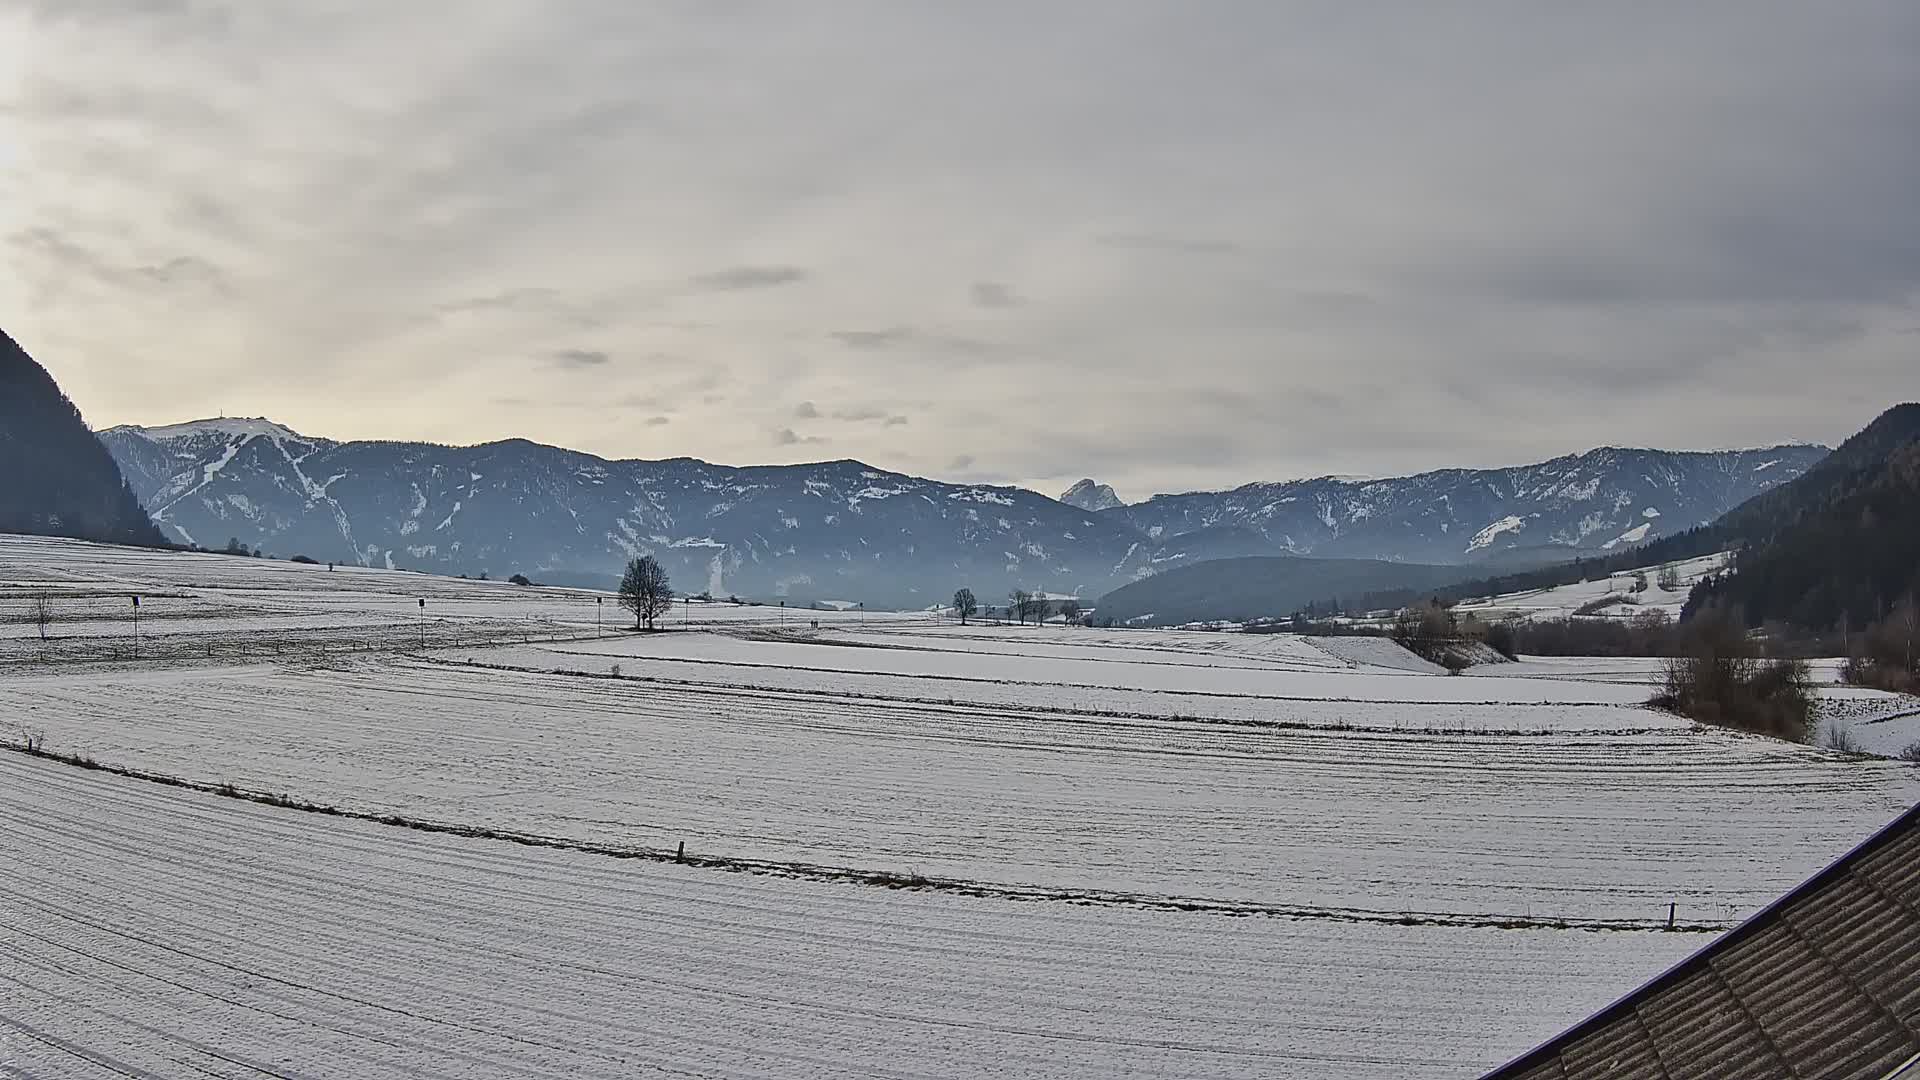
[
  {"x": 1564, "y": 601},
  {"x": 1166, "y": 853}
]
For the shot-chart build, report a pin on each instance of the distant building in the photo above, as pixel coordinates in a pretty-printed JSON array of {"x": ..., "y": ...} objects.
[{"x": 1824, "y": 983}]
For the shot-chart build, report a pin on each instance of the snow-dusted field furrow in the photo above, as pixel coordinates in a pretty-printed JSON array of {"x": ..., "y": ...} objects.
[
  {"x": 1295, "y": 710},
  {"x": 995, "y": 665},
  {"x": 154, "y": 933},
  {"x": 1133, "y": 648},
  {"x": 1567, "y": 825}
]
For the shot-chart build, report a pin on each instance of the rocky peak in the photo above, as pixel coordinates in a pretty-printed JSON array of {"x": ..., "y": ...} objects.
[{"x": 1091, "y": 497}]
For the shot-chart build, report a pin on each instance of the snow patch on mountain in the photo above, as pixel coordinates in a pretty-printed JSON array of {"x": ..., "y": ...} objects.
[
  {"x": 1485, "y": 537},
  {"x": 1632, "y": 536}
]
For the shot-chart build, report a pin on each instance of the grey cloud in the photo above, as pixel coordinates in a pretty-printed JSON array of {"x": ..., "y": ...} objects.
[
  {"x": 1157, "y": 242},
  {"x": 789, "y": 437},
  {"x": 870, "y": 415},
  {"x": 993, "y": 294},
  {"x": 506, "y": 299},
  {"x": 806, "y": 410},
  {"x": 750, "y": 277},
  {"x": 76, "y": 257},
  {"x": 871, "y": 339},
  {"x": 578, "y": 359},
  {"x": 658, "y": 421},
  {"x": 903, "y": 337},
  {"x": 1284, "y": 239}
]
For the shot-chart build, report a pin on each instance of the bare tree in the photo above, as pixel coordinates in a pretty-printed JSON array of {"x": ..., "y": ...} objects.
[
  {"x": 1038, "y": 606},
  {"x": 645, "y": 591},
  {"x": 1070, "y": 610},
  {"x": 1669, "y": 579},
  {"x": 965, "y": 605},
  {"x": 1019, "y": 603},
  {"x": 1907, "y": 616},
  {"x": 42, "y": 613}
]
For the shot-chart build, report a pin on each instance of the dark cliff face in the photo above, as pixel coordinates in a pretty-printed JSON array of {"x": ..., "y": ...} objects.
[{"x": 56, "y": 479}]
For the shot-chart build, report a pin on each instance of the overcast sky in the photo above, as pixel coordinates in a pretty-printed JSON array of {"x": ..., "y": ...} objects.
[{"x": 1167, "y": 245}]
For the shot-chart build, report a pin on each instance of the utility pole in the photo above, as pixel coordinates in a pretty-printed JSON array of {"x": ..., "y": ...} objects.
[
  {"x": 783, "y": 614},
  {"x": 686, "y": 612},
  {"x": 423, "y": 622},
  {"x": 136, "y": 628},
  {"x": 599, "y": 611}
]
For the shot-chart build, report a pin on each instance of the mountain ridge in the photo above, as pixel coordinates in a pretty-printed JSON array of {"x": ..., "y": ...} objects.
[{"x": 829, "y": 529}]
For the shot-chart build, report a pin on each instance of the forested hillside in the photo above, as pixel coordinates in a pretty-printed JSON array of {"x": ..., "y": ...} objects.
[
  {"x": 1262, "y": 587},
  {"x": 1847, "y": 552},
  {"x": 56, "y": 479},
  {"x": 1752, "y": 526}
]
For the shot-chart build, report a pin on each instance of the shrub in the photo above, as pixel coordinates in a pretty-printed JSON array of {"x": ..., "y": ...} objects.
[
  {"x": 1720, "y": 680},
  {"x": 1504, "y": 639},
  {"x": 1861, "y": 671},
  {"x": 520, "y": 579},
  {"x": 1425, "y": 630},
  {"x": 1911, "y": 753},
  {"x": 305, "y": 560},
  {"x": 1595, "y": 607},
  {"x": 1841, "y": 739},
  {"x": 1885, "y": 656}
]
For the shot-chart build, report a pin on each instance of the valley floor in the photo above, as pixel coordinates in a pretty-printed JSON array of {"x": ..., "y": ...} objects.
[{"x": 916, "y": 849}]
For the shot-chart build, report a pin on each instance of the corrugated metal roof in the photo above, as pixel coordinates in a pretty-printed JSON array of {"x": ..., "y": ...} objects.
[{"x": 1824, "y": 983}]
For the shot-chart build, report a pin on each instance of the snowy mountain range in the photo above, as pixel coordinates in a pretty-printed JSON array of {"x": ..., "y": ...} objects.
[
  {"x": 1602, "y": 500},
  {"x": 844, "y": 530}
]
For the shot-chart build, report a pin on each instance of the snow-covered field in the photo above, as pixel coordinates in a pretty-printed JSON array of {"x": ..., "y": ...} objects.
[
  {"x": 1564, "y": 601},
  {"x": 1874, "y": 721},
  {"x": 1429, "y": 873},
  {"x": 218, "y": 606},
  {"x": 151, "y": 932}
]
